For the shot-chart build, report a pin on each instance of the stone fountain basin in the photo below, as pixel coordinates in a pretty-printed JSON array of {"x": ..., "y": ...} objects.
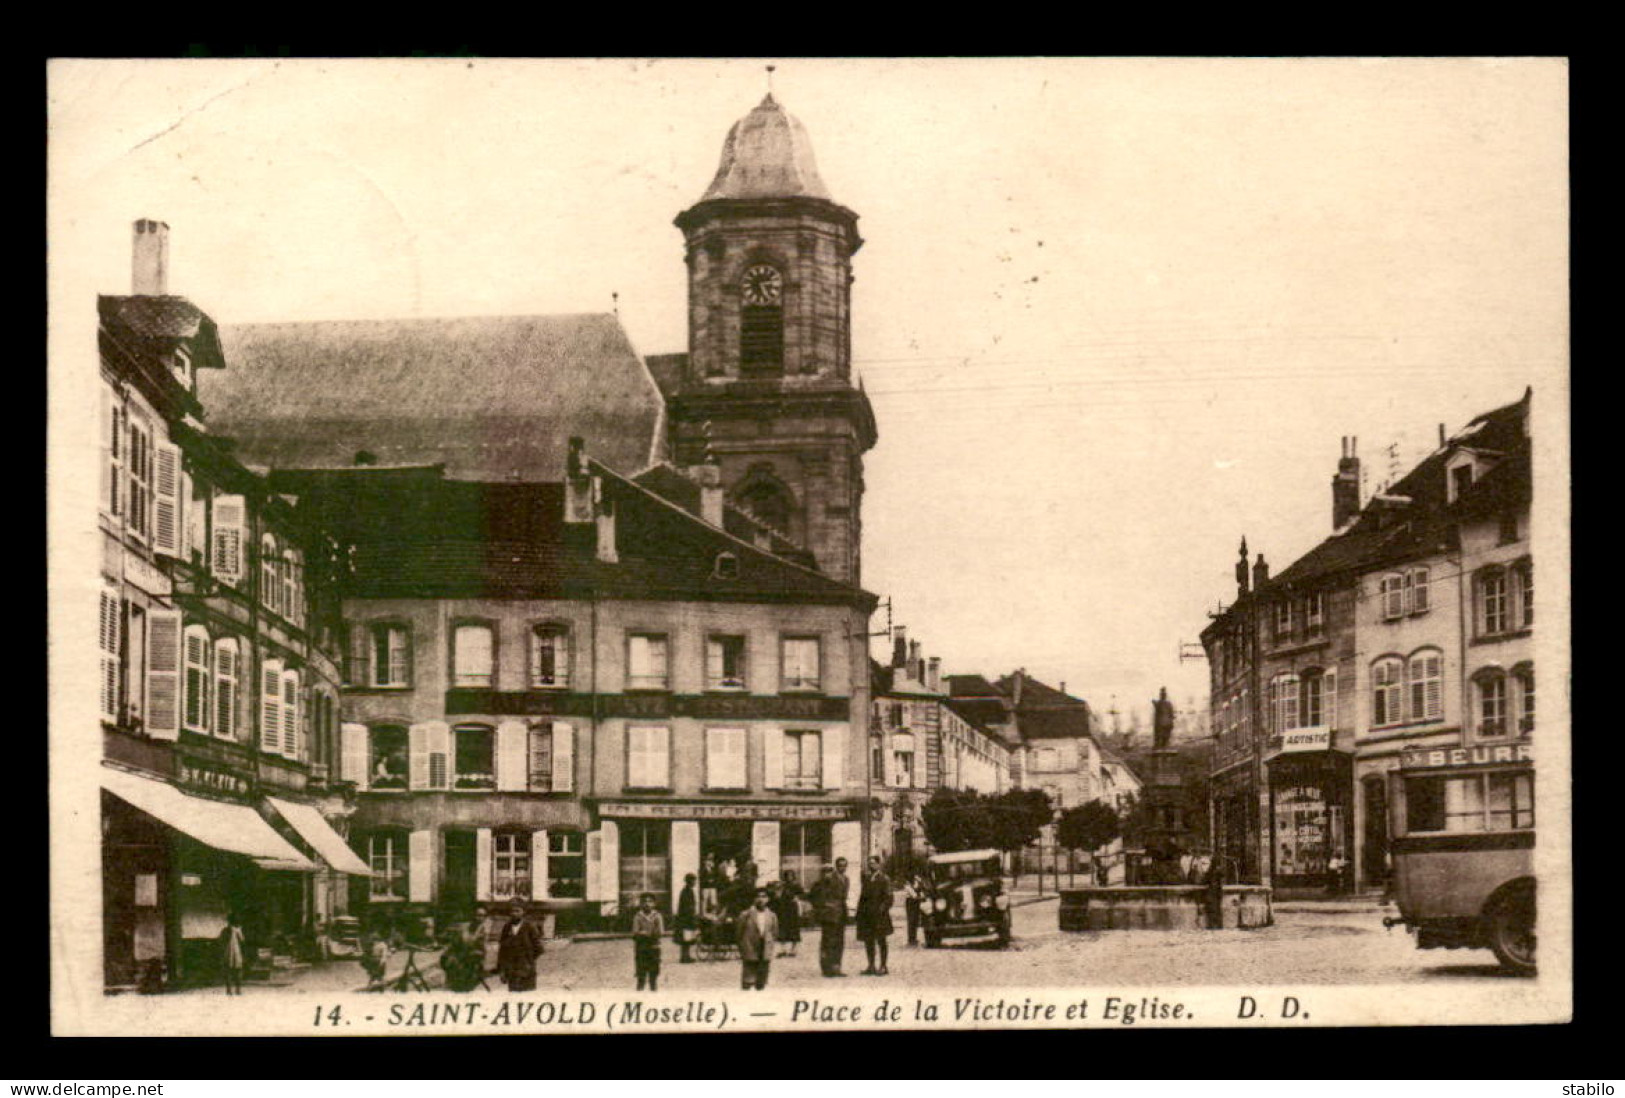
[{"x": 1161, "y": 907}]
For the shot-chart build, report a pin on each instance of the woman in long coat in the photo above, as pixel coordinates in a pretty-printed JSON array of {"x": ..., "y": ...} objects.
[
  {"x": 874, "y": 917},
  {"x": 787, "y": 906},
  {"x": 520, "y": 946}
]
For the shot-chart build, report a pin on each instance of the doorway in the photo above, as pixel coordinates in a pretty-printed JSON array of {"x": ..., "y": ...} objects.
[
  {"x": 458, "y": 884},
  {"x": 1374, "y": 844}
]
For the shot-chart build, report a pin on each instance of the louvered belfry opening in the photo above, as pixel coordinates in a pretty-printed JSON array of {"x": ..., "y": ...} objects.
[{"x": 761, "y": 341}]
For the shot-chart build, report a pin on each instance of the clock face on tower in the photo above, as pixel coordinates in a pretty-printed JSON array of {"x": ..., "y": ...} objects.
[{"x": 761, "y": 285}]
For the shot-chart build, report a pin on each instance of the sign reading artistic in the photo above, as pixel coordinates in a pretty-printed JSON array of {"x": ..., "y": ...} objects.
[
  {"x": 1468, "y": 756},
  {"x": 1307, "y": 739},
  {"x": 202, "y": 776},
  {"x": 726, "y": 811},
  {"x": 703, "y": 706}
]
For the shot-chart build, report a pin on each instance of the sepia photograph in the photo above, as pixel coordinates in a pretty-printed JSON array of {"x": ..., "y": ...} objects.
[{"x": 730, "y": 545}]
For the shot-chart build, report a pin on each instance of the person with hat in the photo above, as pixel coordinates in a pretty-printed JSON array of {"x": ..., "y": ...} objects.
[
  {"x": 874, "y": 917},
  {"x": 688, "y": 918},
  {"x": 758, "y": 932},
  {"x": 518, "y": 950},
  {"x": 828, "y": 898}
]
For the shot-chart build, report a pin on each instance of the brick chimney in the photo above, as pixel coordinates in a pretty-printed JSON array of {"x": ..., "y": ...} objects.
[
  {"x": 149, "y": 266},
  {"x": 899, "y": 649},
  {"x": 916, "y": 666},
  {"x": 1346, "y": 486},
  {"x": 933, "y": 674},
  {"x": 1261, "y": 573},
  {"x": 1241, "y": 570},
  {"x": 1021, "y": 673}
]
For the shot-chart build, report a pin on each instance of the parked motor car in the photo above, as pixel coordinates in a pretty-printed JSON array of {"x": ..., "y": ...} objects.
[{"x": 965, "y": 898}]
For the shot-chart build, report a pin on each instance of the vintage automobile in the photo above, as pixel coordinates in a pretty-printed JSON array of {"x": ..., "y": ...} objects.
[{"x": 965, "y": 898}]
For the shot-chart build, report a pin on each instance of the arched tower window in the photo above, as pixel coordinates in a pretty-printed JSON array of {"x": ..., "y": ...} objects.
[
  {"x": 769, "y": 501},
  {"x": 761, "y": 322}
]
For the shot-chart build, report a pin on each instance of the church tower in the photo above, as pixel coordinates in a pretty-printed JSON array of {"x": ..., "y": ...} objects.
[{"x": 766, "y": 389}]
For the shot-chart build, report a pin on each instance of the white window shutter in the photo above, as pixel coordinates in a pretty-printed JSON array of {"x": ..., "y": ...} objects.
[
  {"x": 538, "y": 865},
  {"x": 270, "y": 692},
  {"x": 163, "y": 674},
  {"x": 439, "y": 742},
  {"x": 595, "y": 865},
  {"x": 511, "y": 761},
  {"x": 611, "y": 834},
  {"x": 772, "y": 757},
  {"x": 764, "y": 850},
  {"x": 290, "y": 714},
  {"x": 685, "y": 852},
  {"x": 1328, "y": 699},
  {"x": 109, "y": 638},
  {"x": 660, "y": 757},
  {"x": 564, "y": 757},
  {"x": 834, "y": 745},
  {"x": 109, "y": 476},
  {"x": 226, "y": 547},
  {"x": 353, "y": 754},
  {"x": 482, "y": 863},
  {"x": 166, "y": 494},
  {"x": 417, "y": 748},
  {"x": 419, "y": 871}
]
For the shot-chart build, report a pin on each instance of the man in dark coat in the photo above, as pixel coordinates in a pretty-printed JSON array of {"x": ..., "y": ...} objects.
[
  {"x": 874, "y": 917},
  {"x": 828, "y": 898},
  {"x": 758, "y": 931},
  {"x": 517, "y": 951},
  {"x": 687, "y": 922}
]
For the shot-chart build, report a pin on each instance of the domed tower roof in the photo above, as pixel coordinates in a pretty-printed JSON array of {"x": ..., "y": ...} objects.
[{"x": 767, "y": 155}]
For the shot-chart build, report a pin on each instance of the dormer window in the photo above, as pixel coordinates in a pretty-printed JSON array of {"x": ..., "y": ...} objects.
[
  {"x": 180, "y": 363},
  {"x": 726, "y": 567},
  {"x": 1459, "y": 475}
]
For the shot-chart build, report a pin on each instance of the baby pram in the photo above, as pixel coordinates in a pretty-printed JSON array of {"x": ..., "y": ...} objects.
[{"x": 718, "y": 936}]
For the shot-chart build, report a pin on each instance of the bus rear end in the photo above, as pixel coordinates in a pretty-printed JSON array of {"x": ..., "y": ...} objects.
[{"x": 1463, "y": 850}]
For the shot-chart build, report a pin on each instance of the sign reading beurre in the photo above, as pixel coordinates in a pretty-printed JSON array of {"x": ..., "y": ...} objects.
[{"x": 1468, "y": 756}]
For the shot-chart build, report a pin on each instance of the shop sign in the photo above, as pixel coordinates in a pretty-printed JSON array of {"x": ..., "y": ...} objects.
[
  {"x": 1318, "y": 738},
  {"x": 200, "y": 776},
  {"x": 726, "y": 811},
  {"x": 1468, "y": 756},
  {"x": 145, "y": 576}
]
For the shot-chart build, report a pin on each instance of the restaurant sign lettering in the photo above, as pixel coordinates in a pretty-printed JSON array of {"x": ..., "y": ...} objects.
[{"x": 692, "y": 811}]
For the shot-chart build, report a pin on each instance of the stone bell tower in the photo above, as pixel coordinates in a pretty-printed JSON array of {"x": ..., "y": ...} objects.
[{"x": 766, "y": 388}]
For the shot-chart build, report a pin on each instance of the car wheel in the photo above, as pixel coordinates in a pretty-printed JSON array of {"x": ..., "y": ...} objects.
[{"x": 1512, "y": 932}]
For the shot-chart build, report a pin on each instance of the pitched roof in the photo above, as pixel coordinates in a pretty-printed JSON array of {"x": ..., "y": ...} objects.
[
  {"x": 672, "y": 484},
  {"x": 416, "y": 534},
  {"x": 488, "y": 397},
  {"x": 164, "y": 320},
  {"x": 1045, "y": 713}
]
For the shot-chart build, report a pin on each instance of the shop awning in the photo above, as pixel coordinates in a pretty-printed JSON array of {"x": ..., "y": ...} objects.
[
  {"x": 320, "y": 835},
  {"x": 233, "y": 828}
]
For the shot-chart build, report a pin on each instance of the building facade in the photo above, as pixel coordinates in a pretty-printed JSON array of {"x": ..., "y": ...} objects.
[
  {"x": 1393, "y": 639},
  {"x": 218, "y": 678}
]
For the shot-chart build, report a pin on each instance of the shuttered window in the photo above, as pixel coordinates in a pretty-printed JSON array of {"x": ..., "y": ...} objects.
[
  {"x": 1493, "y": 616},
  {"x": 552, "y": 757},
  {"x": 109, "y": 635},
  {"x": 800, "y": 664},
  {"x": 1313, "y": 707},
  {"x": 1386, "y": 705},
  {"x": 225, "y": 689},
  {"x": 646, "y": 662},
  {"x": 1420, "y": 597},
  {"x": 1425, "y": 676},
  {"x": 510, "y": 865},
  {"x": 270, "y": 575},
  {"x": 226, "y": 542},
  {"x": 1492, "y": 703},
  {"x": 198, "y": 676},
  {"x": 1393, "y": 596},
  {"x": 1284, "y": 699},
  {"x": 114, "y": 432},
  {"x": 167, "y": 505},
  {"x": 290, "y": 586},
  {"x": 387, "y": 757},
  {"x": 1524, "y": 676},
  {"x": 387, "y": 858},
  {"x": 391, "y": 655},
  {"x": 138, "y": 467},
  {"x": 725, "y": 758},
  {"x": 271, "y": 706},
  {"x": 648, "y": 757},
  {"x": 163, "y": 674},
  {"x": 473, "y": 656},
  {"x": 290, "y": 714},
  {"x": 803, "y": 755},
  {"x": 475, "y": 749}
]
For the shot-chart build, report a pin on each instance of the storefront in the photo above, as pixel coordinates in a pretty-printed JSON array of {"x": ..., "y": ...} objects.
[
  {"x": 645, "y": 847},
  {"x": 1235, "y": 800},
  {"x": 194, "y": 860},
  {"x": 1310, "y": 792}
]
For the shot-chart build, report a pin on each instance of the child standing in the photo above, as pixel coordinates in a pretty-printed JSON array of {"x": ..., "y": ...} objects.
[{"x": 647, "y": 929}]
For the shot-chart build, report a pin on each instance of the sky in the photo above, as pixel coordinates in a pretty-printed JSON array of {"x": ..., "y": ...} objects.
[{"x": 1113, "y": 314}]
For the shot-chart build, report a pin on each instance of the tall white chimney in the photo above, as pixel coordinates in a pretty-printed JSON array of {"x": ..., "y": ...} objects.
[{"x": 149, "y": 265}]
